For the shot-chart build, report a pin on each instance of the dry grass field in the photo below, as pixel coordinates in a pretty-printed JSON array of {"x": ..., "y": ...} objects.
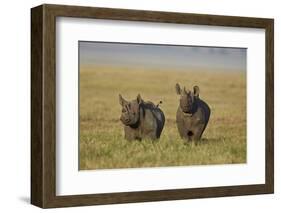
[{"x": 102, "y": 144}]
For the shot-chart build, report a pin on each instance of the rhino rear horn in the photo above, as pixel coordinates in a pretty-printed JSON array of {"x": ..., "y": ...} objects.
[
  {"x": 139, "y": 99},
  {"x": 178, "y": 89}
]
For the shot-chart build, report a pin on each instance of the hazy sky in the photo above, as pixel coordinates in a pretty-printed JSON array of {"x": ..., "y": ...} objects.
[{"x": 161, "y": 56}]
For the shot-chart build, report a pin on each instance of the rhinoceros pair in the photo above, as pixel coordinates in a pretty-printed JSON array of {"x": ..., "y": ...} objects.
[{"x": 146, "y": 120}]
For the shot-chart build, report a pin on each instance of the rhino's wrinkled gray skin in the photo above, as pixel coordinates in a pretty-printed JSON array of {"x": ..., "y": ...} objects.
[
  {"x": 193, "y": 114},
  {"x": 141, "y": 119}
]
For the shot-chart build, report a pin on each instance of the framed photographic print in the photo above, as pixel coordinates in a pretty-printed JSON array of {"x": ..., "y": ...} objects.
[{"x": 137, "y": 106}]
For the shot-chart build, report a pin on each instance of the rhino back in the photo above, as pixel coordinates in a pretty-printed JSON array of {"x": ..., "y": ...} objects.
[
  {"x": 153, "y": 119},
  {"x": 205, "y": 110},
  {"x": 160, "y": 119}
]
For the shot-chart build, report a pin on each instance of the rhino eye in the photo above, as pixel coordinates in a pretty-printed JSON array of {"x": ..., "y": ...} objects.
[{"x": 123, "y": 110}]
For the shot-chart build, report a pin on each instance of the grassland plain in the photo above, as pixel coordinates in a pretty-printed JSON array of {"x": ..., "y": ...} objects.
[{"x": 102, "y": 144}]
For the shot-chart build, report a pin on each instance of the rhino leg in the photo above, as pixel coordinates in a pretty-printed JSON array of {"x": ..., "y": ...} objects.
[
  {"x": 131, "y": 134},
  {"x": 129, "y": 137},
  {"x": 181, "y": 129},
  {"x": 197, "y": 133},
  {"x": 151, "y": 135},
  {"x": 186, "y": 134},
  {"x": 190, "y": 135}
]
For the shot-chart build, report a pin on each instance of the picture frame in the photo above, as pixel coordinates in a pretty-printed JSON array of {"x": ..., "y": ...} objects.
[{"x": 43, "y": 105}]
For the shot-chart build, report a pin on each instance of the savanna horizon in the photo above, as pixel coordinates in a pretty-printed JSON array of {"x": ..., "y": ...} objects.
[{"x": 102, "y": 143}]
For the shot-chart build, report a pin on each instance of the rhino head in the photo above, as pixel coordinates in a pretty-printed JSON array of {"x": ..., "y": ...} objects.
[
  {"x": 187, "y": 98},
  {"x": 130, "y": 113}
]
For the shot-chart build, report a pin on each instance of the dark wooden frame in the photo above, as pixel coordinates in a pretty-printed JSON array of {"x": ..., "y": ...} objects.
[{"x": 43, "y": 106}]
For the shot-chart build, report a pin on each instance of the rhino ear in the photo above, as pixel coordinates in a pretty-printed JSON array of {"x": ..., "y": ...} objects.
[
  {"x": 139, "y": 99},
  {"x": 178, "y": 89},
  {"x": 122, "y": 101},
  {"x": 196, "y": 91}
]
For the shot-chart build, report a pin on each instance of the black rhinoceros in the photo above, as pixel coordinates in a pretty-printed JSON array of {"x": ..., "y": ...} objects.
[
  {"x": 192, "y": 115},
  {"x": 141, "y": 119}
]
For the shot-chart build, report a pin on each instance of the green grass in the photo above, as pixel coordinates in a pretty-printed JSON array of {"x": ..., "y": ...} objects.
[{"x": 102, "y": 144}]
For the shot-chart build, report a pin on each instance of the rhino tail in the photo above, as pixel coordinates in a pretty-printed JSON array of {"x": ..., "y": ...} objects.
[{"x": 160, "y": 102}]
